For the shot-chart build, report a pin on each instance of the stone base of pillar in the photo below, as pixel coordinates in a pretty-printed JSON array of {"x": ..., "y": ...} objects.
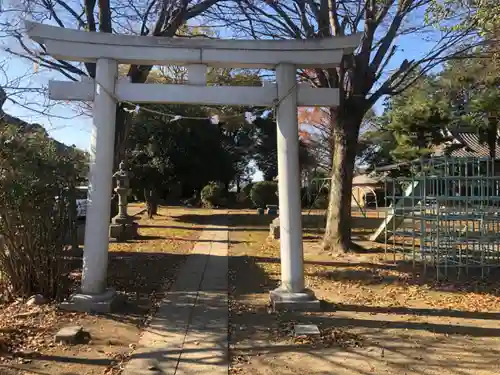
[
  {"x": 122, "y": 219},
  {"x": 282, "y": 299},
  {"x": 123, "y": 232},
  {"x": 93, "y": 303}
]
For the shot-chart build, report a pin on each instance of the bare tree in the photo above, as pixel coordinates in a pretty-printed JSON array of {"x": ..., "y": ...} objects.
[
  {"x": 362, "y": 78},
  {"x": 163, "y": 18},
  {"x": 317, "y": 124}
]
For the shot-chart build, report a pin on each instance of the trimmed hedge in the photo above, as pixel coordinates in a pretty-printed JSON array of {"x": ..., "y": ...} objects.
[
  {"x": 264, "y": 193},
  {"x": 212, "y": 195}
]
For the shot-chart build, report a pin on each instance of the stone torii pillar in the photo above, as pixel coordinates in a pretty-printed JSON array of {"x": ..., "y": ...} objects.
[
  {"x": 291, "y": 294},
  {"x": 94, "y": 295}
]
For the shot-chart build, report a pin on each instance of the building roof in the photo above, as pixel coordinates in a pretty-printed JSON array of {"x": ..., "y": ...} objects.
[
  {"x": 472, "y": 147},
  {"x": 465, "y": 144},
  {"x": 365, "y": 179}
]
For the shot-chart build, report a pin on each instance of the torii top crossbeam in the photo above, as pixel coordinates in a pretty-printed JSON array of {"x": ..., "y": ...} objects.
[
  {"x": 196, "y": 54},
  {"x": 74, "y": 45}
]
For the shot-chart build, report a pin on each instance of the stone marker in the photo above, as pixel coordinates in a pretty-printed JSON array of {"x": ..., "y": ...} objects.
[
  {"x": 72, "y": 335},
  {"x": 306, "y": 330},
  {"x": 274, "y": 229},
  {"x": 37, "y": 299}
]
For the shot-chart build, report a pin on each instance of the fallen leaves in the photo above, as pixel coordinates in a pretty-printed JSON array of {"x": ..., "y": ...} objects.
[
  {"x": 29, "y": 329},
  {"x": 392, "y": 297},
  {"x": 140, "y": 269},
  {"x": 339, "y": 337},
  {"x": 118, "y": 361}
]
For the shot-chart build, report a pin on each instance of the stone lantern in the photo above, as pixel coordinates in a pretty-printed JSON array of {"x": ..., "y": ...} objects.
[{"x": 122, "y": 225}]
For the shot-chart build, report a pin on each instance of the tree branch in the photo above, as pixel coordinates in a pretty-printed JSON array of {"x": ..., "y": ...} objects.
[
  {"x": 337, "y": 29},
  {"x": 296, "y": 30},
  {"x": 144, "y": 28},
  {"x": 50, "y": 7},
  {"x": 199, "y": 8},
  {"x": 390, "y": 35},
  {"x": 77, "y": 17},
  {"x": 105, "y": 25},
  {"x": 301, "y": 9},
  {"x": 89, "y": 14}
]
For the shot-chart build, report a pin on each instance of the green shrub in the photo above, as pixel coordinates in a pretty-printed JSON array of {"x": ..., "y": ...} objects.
[
  {"x": 37, "y": 212},
  {"x": 229, "y": 200},
  {"x": 212, "y": 195},
  {"x": 264, "y": 193},
  {"x": 247, "y": 189}
]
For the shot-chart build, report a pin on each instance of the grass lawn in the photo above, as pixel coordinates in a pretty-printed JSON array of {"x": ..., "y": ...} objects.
[{"x": 379, "y": 317}]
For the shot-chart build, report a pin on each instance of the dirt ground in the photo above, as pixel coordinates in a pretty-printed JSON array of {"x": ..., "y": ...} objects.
[
  {"x": 378, "y": 316},
  {"x": 141, "y": 269}
]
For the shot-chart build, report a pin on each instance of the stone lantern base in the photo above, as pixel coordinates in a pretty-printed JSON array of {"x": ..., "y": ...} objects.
[{"x": 123, "y": 229}]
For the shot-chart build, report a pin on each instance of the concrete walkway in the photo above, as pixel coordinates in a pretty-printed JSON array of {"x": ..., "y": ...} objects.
[{"x": 188, "y": 335}]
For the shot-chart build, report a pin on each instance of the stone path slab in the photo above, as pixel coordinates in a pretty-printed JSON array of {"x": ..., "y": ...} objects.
[{"x": 188, "y": 334}]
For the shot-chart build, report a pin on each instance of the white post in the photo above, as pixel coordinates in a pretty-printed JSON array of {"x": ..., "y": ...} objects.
[
  {"x": 197, "y": 74},
  {"x": 291, "y": 293},
  {"x": 292, "y": 263},
  {"x": 95, "y": 254}
]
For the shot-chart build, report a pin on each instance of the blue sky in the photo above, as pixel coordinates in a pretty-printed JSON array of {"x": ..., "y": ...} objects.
[{"x": 76, "y": 130}]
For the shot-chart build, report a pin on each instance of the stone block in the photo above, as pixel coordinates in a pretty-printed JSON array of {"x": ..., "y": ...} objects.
[
  {"x": 72, "y": 335},
  {"x": 123, "y": 232},
  {"x": 116, "y": 231},
  {"x": 37, "y": 300},
  {"x": 274, "y": 232},
  {"x": 306, "y": 330},
  {"x": 274, "y": 229},
  {"x": 298, "y": 305},
  {"x": 302, "y": 301}
]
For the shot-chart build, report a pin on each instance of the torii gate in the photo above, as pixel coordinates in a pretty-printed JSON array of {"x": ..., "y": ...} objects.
[{"x": 108, "y": 50}]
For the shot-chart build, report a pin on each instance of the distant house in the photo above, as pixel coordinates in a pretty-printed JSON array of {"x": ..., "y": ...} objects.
[
  {"x": 366, "y": 189},
  {"x": 370, "y": 190}
]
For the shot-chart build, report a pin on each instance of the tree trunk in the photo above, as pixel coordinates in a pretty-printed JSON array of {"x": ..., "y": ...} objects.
[
  {"x": 238, "y": 185},
  {"x": 338, "y": 222},
  {"x": 149, "y": 206},
  {"x": 154, "y": 202}
]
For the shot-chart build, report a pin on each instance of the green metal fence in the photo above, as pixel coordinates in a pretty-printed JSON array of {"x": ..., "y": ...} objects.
[{"x": 446, "y": 215}]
